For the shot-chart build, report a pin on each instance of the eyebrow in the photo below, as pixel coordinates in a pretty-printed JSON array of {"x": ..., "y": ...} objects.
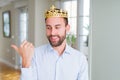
[{"x": 55, "y": 25}]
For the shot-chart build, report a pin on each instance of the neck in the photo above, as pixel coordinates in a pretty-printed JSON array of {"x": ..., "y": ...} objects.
[{"x": 60, "y": 49}]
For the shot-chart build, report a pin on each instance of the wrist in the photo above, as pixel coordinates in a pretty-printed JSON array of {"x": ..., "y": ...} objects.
[{"x": 26, "y": 64}]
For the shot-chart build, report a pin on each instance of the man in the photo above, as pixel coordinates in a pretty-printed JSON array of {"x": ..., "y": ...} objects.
[{"x": 54, "y": 61}]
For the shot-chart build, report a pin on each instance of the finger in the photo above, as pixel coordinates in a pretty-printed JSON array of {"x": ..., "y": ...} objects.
[
  {"x": 23, "y": 43},
  {"x": 15, "y": 47},
  {"x": 31, "y": 45},
  {"x": 28, "y": 44}
]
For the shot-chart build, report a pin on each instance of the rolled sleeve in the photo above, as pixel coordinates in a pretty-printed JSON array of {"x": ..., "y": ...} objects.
[{"x": 26, "y": 74}]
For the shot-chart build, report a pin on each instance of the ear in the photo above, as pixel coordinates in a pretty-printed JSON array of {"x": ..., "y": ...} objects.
[{"x": 67, "y": 28}]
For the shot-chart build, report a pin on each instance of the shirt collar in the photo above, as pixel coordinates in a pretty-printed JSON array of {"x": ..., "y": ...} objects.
[
  {"x": 50, "y": 48},
  {"x": 67, "y": 49}
]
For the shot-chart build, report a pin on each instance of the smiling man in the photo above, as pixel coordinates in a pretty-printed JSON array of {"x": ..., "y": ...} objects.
[{"x": 56, "y": 60}]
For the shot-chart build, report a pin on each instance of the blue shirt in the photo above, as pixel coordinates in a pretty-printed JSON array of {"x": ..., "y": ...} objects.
[{"x": 48, "y": 65}]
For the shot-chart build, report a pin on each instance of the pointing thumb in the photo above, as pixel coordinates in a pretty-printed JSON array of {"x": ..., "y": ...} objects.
[{"x": 15, "y": 47}]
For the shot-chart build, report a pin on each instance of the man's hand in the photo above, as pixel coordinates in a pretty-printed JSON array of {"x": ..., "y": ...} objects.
[{"x": 26, "y": 51}]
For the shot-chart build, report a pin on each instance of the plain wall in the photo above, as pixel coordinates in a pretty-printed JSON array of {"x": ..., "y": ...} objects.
[{"x": 105, "y": 40}]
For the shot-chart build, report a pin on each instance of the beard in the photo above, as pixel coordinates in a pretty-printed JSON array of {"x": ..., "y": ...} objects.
[{"x": 56, "y": 43}]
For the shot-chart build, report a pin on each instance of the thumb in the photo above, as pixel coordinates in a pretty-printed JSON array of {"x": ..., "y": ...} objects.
[{"x": 15, "y": 47}]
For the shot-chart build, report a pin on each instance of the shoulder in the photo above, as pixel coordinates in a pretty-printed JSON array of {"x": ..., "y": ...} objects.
[
  {"x": 78, "y": 57},
  {"x": 77, "y": 53}
]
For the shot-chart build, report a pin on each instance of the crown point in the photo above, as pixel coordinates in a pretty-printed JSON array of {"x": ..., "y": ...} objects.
[
  {"x": 52, "y": 7},
  {"x": 60, "y": 10}
]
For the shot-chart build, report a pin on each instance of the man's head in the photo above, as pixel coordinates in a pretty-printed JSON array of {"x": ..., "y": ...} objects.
[{"x": 56, "y": 26}]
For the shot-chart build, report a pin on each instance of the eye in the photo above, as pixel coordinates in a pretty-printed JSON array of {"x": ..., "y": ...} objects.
[
  {"x": 57, "y": 27},
  {"x": 48, "y": 27}
]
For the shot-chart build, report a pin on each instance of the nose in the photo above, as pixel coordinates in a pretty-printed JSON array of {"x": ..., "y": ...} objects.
[{"x": 53, "y": 31}]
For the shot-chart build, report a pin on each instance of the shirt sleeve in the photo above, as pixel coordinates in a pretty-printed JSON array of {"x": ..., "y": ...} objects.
[
  {"x": 83, "y": 74},
  {"x": 26, "y": 74}
]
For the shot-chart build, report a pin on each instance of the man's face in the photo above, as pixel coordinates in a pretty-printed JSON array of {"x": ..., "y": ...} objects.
[{"x": 56, "y": 30}]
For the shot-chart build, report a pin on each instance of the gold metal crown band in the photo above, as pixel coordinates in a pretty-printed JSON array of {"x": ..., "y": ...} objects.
[{"x": 54, "y": 12}]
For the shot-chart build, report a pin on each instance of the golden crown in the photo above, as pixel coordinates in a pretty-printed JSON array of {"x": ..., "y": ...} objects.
[{"x": 55, "y": 12}]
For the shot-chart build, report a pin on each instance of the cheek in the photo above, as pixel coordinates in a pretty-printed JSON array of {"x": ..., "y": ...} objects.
[
  {"x": 62, "y": 32},
  {"x": 47, "y": 32}
]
